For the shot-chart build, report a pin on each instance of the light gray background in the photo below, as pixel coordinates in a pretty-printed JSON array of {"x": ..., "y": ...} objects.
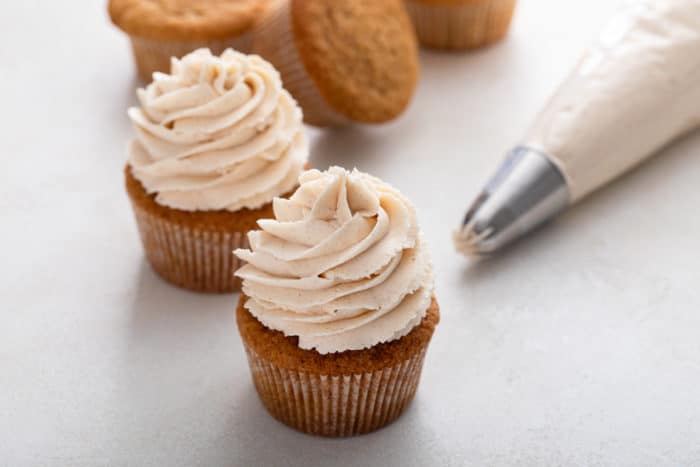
[{"x": 579, "y": 346}]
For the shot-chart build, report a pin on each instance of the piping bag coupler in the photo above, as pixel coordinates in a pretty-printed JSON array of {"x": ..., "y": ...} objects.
[{"x": 636, "y": 89}]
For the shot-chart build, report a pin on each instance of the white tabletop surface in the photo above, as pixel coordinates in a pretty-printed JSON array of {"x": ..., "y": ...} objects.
[{"x": 579, "y": 346}]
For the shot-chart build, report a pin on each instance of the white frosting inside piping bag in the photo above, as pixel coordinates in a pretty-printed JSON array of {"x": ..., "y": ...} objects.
[
  {"x": 343, "y": 265},
  {"x": 217, "y": 133},
  {"x": 634, "y": 91}
]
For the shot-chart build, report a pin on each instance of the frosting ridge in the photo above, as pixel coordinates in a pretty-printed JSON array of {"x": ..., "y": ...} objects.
[
  {"x": 217, "y": 133},
  {"x": 343, "y": 265}
]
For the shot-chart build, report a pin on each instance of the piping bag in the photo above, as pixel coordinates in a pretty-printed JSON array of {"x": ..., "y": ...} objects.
[{"x": 636, "y": 89}]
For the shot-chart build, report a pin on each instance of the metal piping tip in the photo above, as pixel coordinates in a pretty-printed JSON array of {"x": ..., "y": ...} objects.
[
  {"x": 468, "y": 242},
  {"x": 526, "y": 191}
]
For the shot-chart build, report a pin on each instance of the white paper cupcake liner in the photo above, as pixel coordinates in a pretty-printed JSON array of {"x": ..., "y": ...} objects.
[
  {"x": 471, "y": 25},
  {"x": 191, "y": 258},
  {"x": 338, "y": 405}
]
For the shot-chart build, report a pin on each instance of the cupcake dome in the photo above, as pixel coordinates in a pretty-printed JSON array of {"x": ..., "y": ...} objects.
[
  {"x": 343, "y": 61},
  {"x": 177, "y": 19},
  {"x": 163, "y": 29}
]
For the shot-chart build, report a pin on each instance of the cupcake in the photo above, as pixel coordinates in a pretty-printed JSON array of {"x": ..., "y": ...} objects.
[
  {"x": 337, "y": 306},
  {"x": 460, "y": 24},
  {"x": 216, "y": 140},
  {"x": 163, "y": 29},
  {"x": 344, "y": 62}
]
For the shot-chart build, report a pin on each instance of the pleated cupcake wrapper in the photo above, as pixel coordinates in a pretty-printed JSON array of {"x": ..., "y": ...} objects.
[
  {"x": 273, "y": 39},
  {"x": 154, "y": 55},
  {"x": 338, "y": 405},
  {"x": 191, "y": 258},
  {"x": 461, "y": 26}
]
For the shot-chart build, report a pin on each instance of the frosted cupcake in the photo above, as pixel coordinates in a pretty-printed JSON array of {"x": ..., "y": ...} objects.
[
  {"x": 460, "y": 24},
  {"x": 216, "y": 140},
  {"x": 162, "y": 29},
  {"x": 344, "y": 61},
  {"x": 337, "y": 308}
]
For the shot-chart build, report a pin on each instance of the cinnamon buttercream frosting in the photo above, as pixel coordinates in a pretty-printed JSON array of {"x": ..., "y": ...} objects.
[
  {"x": 343, "y": 264},
  {"x": 217, "y": 133}
]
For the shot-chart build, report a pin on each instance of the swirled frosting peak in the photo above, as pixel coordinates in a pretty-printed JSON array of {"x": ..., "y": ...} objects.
[
  {"x": 217, "y": 133},
  {"x": 343, "y": 265}
]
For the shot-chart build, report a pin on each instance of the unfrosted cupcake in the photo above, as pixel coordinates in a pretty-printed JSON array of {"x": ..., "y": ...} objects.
[
  {"x": 345, "y": 62},
  {"x": 337, "y": 308},
  {"x": 161, "y": 29},
  {"x": 216, "y": 140},
  {"x": 460, "y": 24}
]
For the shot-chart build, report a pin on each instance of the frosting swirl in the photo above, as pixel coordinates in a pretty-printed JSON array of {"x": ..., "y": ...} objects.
[
  {"x": 343, "y": 265},
  {"x": 217, "y": 133}
]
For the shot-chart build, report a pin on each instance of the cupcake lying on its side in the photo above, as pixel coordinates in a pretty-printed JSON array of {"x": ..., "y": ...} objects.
[
  {"x": 337, "y": 308},
  {"x": 345, "y": 62},
  {"x": 216, "y": 140},
  {"x": 460, "y": 24},
  {"x": 162, "y": 29}
]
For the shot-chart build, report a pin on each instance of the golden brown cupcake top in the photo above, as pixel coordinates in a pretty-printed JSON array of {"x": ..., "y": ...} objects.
[
  {"x": 361, "y": 54},
  {"x": 185, "y": 19}
]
